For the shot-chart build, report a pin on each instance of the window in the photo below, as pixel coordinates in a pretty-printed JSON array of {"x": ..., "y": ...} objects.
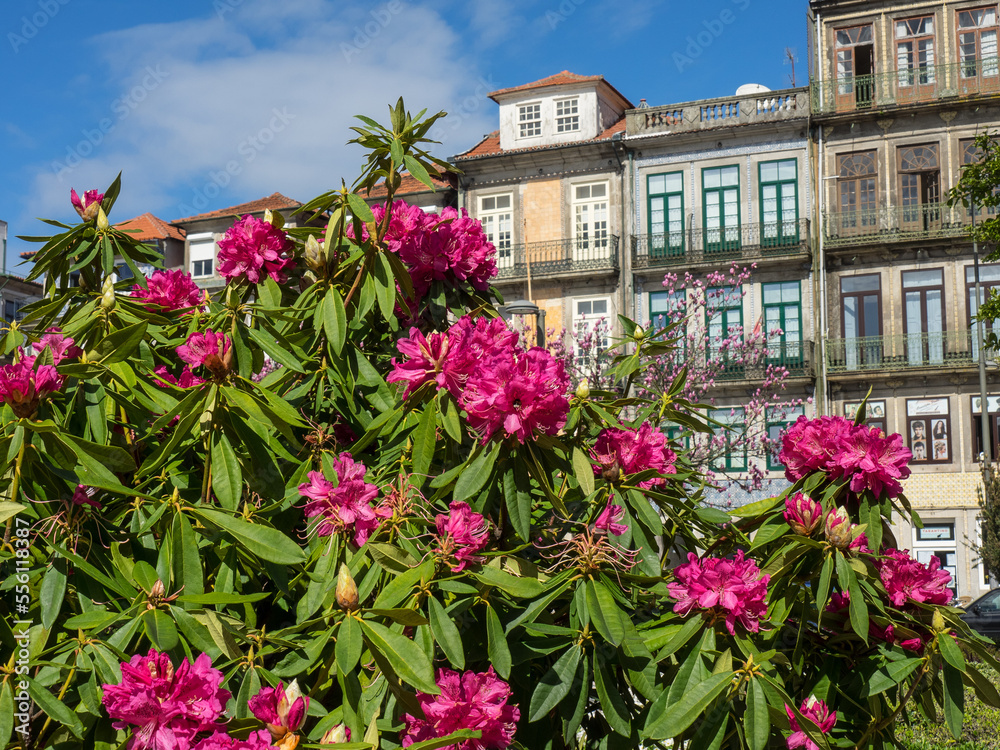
[
  {"x": 665, "y": 193},
  {"x": 724, "y": 313},
  {"x": 497, "y": 219},
  {"x": 12, "y": 310},
  {"x": 874, "y": 416},
  {"x": 529, "y": 120},
  {"x": 928, "y": 426},
  {"x": 919, "y": 188},
  {"x": 731, "y": 449},
  {"x": 937, "y": 539},
  {"x": 915, "y": 51},
  {"x": 666, "y": 308},
  {"x": 202, "y": 248},
  {"x": 567, "y": 115},
  {"x": 779, "y": 203},
  {"x": 721, "y": 205},
  {"x": 590, "y": 221},
  {"x": 989, "y": 279},
  {"x": 977, "y": 42},
  {"x": 857, "y": 177},
  {"x": 855, "y": 65},
  {"x": 861, "y": 313},
  {"x": 971, "y": 154},
  {"x": 591, "y": 328},
  {"x": 923, "y": 316},
  {"x": 993, "y": 423},
  {"x": 783, "y": 310},
  {"x": 778, "y": 422}
]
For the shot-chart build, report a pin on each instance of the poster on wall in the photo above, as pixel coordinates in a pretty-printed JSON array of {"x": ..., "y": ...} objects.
[
  {"x": 928, "y": 429},
  {"x": 875, "y": 416}
]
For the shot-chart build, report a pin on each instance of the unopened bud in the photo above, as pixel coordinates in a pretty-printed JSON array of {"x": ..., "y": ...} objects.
[
  {"x": 838, "y": 528},
  {"x": 268, "y": 216},
  {"x": 108, "y": 300},
  {"x": 583, "y": 390},
  {"x": 158, "y": 590},
  {"x": 102, "y": 220},
  {"x": 640, "y": 333},
  {"x": 336, "y": 735},
  {"x": 347, "y": 590},
  {"x": 937, "y": 622},
  {"x": 108, "y": 285},
  {"x": 314, "y": 254}
]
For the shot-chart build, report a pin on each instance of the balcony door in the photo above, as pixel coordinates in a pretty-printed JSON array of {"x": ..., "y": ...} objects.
[
  {"x": 919, "y": 189},
  {"x": 783, "y": 311},
  {"x": 666, "y": 215},
  {"x": 590, "y": 222},
  {"x": 857, "y": 180},
  {"x": 855, "y": 67},
  {"x": 861, "y": 308},
  {"x": 915, "y": 71},
  {"x": 779, "y": 203},
  {"x": 978, "y": 70},
  {"x": 496, "y": 215},
  {"x": 721, "y": 201},
  {"x": 923, "y": 316}
]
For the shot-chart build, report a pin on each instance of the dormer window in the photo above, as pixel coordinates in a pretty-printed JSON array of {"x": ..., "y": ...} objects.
[
  {"x": 568, "y": 115},
  {"x": 529, "y": 118}
]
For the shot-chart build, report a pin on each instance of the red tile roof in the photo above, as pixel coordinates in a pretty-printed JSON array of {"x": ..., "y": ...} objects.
[
  {"x": 151, "y": 228},
  {"x": 490, "y": 145},
  {"x": 274, "y": 202},
  {"x": 410, "y": 185},
  {"x": 559, "y": 79}
]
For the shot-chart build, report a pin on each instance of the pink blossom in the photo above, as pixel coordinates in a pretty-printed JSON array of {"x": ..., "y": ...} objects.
[
  {"x": 166, "y": 708},
  {"x": 207, "y": 349},
  {"x": 336, "y": 735},
  {"x": 812, "y": 444},
  {"x": 87, "y": 208},
  {"x": 906, "y": 579},
  {"x": 259, "y": 740},
  {"x": 187, "y": 377},
  {"x": 608, "y": 520},
  {"x": 61, "y": 346},
  {"x": 873, "y": 461},
  {"x": 633, "y": 451},
  {"x": 467, "y": 701},
  {"x": 282, "y": 709},
  {"x": 818, "y": 713},
  {"x": 253, "y": 249},
  {"x": 169, "y": 290},
  {"x": 427, "y": 361},
  {"x": 23, "y": 388},
  {"x": 83, "y": 495},
  {"x": 462, "y": 534},
  {"x": 802, "y": 513},
  {"x": 345, "y": 507},
  {"x": 731, "y": 589}
]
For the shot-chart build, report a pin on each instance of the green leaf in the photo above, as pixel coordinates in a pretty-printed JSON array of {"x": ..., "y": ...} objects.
[
  {"x": 823, "y": 589},
  {"x": 274, "y": 350},
  {"x": 424, "y": 442},
  {"x": 186, "y": 558},
  {"x": 335, "y": 319},
  {"x": 359, "y": 208},
  {"x": 402, "y": 615},
  {"x": 517, "y": 498},
  {"x": 53, "y": 707},
  {"x": 390, "y": 558},
  {"x": 416, "y": 169},
  {"x": 523, "y": 588},
  {"x": 446, "y": 633},
  {"x": 9, "y": 510},
  {"x": 349, "y": 645},
  {"x": 859, "y": 611},
  {"x": 950, "y": 651},
  {"x": 496, "y": 644},
  {"x": 227, "y": 477},
  {"x": 555, "y": 684},
  {"x": 757, "y": 724},
  {"x": 406, "y": 657},
  {"x": 680, "y": 715},
  {"x": 677, "y": 640},
  {"x": 263, "y": 541},
  {"x": 954, "y": 700},
  {"x": 476, "y": 474},
  {"x": 615, "y": 710},
  {"x": 385, "y": 286},
  {"x": 52, "y": 591},
  {"x": 160, "y": 629},
  {"x": 892, "y": 674},
  {"x": 6, "y": 712},
  {"x": 604, "y": 612},
  {"x": 118, "y": 346},
  {"x": 583, "y": 470},
  {"x": 449, "y": 739}
]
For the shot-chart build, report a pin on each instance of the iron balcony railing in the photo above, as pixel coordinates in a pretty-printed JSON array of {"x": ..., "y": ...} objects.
[
  {"x": 942, "y": 349},
  {"x": 794, "y": 356},
  {"x": 906, "y": 86},
  {"x": 557, "y": 258},
  {"x": 895, "y": 223},
  {"x": 751, "y": 242}
]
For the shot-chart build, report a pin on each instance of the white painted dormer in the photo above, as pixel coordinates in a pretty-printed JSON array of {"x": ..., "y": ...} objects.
[{"x": 564, "y": 108}]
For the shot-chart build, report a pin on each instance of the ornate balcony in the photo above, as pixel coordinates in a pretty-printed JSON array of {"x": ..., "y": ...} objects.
[
  {"x": 697, "y": 246},
  {"x": 796, "y": 357},
  {"x": 724, "y": 112},
  {"x": 895, "y": 224},
  {"x": 557, "y": 258},
  {"x": 899, "y": 88},
  {"x": 945, "y": 350}
]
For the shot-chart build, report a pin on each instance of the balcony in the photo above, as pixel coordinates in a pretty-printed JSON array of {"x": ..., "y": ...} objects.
[
  {"x": 725, "y": 112},
  {"x": 796, "y": 357},
  {"x": 697, "y": 246},
  {"x": 899, "y": 88},
  {"x": 918, "y": 221},
  {"x": 945, "y": 350},
  {"x": 557, "y": 258}
]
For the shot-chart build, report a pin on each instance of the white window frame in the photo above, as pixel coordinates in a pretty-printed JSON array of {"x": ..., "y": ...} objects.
[
  {"x": 202, "y": 247},
  {"x": 568, "y": 115},
  {"x": 591, "y": 238},
  {"x": 530, "y": 127},
  {"x": 584, "y": 323},
  {"x": 922, "y": 549},
  {"x": 498, "y": 225}
]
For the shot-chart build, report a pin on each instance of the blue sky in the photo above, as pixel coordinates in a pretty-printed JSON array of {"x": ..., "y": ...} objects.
[{"x": 174, "y": 92}]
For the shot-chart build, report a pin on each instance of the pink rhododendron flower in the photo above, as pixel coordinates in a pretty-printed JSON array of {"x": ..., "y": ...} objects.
[
  {"x": 802, "y": 513},
  {"x": 818, "y": 713},
  {"x": 811, "y": 444},
  {"x": 467, "y": 701},
  {"x": 608, "y": 520},
  {"x": 187, "y": 377},
  {"x": 23, "y": 387},
  {"x": 282, "y": 709},
  {"x": 169, "y": 290},
  {"x": 907, "y": 580},
  {"x": 427, "y": 361},
  {"x": 61, "y": 346},
  {"x": 731, "y": 589},
  {"x": 462, "y": 534},
  {"x": 632, "y": 451},
  {"x": 165, "y": 708},
  {"x": 253, "y": 249},
  {"x": 346, "y": 506},
  {"x": 259, "y": 740},
  {"x": 87, "y": 207},
  {"x": 208, "y": 349},
  {"x": 84, "y": 495}
]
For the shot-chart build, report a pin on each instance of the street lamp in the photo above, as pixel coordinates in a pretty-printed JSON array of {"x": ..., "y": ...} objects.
[{"x": 526, "y": 307}]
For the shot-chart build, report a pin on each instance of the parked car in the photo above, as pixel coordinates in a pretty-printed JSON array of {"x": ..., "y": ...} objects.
[{"x": 983, "y": 615}]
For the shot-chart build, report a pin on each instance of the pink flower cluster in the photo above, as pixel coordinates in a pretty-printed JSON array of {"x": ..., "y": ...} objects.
[
  {"x": 164, "y": 707},
  {"x": 632, "y": 451},
  {"x": 346, "y": 506},
  {"x": 907, "y": 580},
  {"x": 88, "y": 206},
  {"x": 731, "y": 589},
  {"x": 501, "y": 386},
  {"x": 469, "y": 700},
  {"x": 210, "y": 350},
  {"x": 608, "y": 520},
  {"x": 836, "y": 446},
  {"x": 818, "y": 713},
  {"x": 282, "y": 709},
  {"x": 445, "y": 247},
  {"x": 254, "y": 249},
  {"x": 23, "y": 384},
  {"x": 169, "y": 290},
  {"x": 259, "y": 740},
  {"x": 187, "y": 377},
  {"x": 462, "y": 534}
]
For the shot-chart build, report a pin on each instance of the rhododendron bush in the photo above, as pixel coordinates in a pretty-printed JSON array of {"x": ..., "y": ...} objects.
[{"x": 339, "y": 503}]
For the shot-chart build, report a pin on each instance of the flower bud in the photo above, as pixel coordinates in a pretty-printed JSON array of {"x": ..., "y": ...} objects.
[
  {"x": 314, "y": 254},
  {"x": 583, "y": 390},
  {"x": 640, "y": 333},
  {"x": 838, "y": 527},
  {"x": 336, "y": 735},
  {"x": 347, "y": 590},
  {"x": 288, "y": 742},
  {"x": 803, "y": 513},
  {"x": 102, "y": 220},
  {"x": 108, "y": 300},
  {"x": 108, "y": 285},
  {"x": 937, "y": 622}
]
